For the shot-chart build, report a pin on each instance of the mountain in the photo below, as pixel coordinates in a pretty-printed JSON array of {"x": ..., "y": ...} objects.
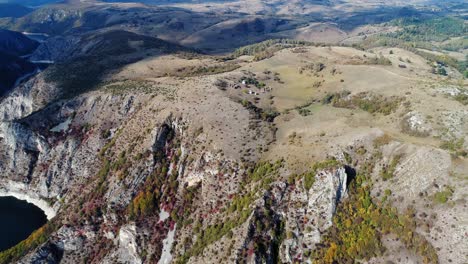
[
  {"x": 215, "y": 28},
  {"x": 16, "y": 43},
  {"x": 13, "y": 10}
]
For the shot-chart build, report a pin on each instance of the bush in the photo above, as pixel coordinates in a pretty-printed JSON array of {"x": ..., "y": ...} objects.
[
  {"x": 456, "y": 146},
  {"x": 304, "y": 112},
  {"x": 389, "y": 171},
  {"x": 382, "y": 141},
  {"x": 309, "y": 179},
  {"x": 443, "y": 196},
  {"x": 462, "y": 98}
]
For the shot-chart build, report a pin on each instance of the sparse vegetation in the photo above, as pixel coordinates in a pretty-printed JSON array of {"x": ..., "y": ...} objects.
[
  {"x": 378, "y": 60},
  {"x": 417, "y": 33},
  {"x": 253, "y": 81},
  {"x": 268, "y": 114},
  {"x": 304, "y": 111},
  {"x": 178, "y": 143},
  {"x": 455, "y": 146},
  {"x": 313, "y": 68},
  {"x": 368, "y": 102},
  {"x": 462, "y": 98},
  {"x": 382, "y": 140},
  {"x": 129, "y": 86},
  {"x": 308, "y": 177},
  {"x": 240, "y": 208}
]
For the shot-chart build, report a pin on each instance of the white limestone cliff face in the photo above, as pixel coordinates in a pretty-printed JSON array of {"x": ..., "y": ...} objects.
[
  {"x": 39, "y": 165},
  {"x": 317, "y": 206},
  {"x": 27, "y": 98},
  {"x": 20, "y": 191},
  {"x": 128, "y": 245},
  {"x": 19, "y": 148},
  {"x": 166, "y": 257}
]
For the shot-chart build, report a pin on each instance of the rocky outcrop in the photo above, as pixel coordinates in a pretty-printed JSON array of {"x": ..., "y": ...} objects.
[
  {"x": 415, "y": 124},
  {"x": 49, "y": 253},
  {"x": 288, "y": 221},
  {"x": 20, "y": 148},
  {"x": 27, "y": 98},
  {"x": 311, "y": 212},
  {"x": 128, "y": 248}
]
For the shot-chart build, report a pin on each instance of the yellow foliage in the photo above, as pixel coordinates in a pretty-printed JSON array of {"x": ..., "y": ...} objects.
[{"x": 331, "y": 252}]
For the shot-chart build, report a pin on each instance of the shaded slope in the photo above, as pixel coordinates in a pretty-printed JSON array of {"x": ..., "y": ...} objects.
[
  {"x": 98, "y": 55},
  {"x": 15, "y": 43},
  {"x": 12, "y": 68}
]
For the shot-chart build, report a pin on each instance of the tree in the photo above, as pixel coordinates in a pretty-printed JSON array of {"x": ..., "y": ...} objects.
[{"x": 441, "y": 71}]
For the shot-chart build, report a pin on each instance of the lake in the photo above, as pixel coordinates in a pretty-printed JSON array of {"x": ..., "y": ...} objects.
[{"x": 18, "y": 219}]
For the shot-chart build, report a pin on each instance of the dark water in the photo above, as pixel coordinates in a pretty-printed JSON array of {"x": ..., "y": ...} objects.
[{"x": 18, "y": 219}]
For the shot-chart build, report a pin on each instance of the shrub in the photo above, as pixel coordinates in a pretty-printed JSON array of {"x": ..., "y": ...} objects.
[
  {"x": 389, "y": 171},
  {"x": 462, "y": 98},
  {"x": 309, "y": 179},
  {"x": 443, "y": 196},
  {"x": 456, "y": 146},
  {"x": 304, "y": 111}
]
